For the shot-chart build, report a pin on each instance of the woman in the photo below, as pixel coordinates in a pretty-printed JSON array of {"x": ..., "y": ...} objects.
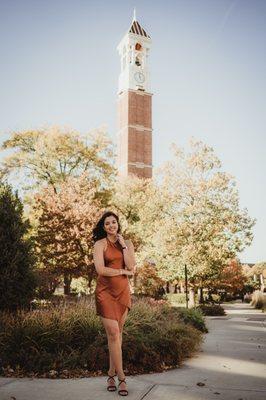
[{"x": 114, "y": 261}]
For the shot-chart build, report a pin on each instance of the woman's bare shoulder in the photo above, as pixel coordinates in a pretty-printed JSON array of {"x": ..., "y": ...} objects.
[{"x": 101, "y": 244}]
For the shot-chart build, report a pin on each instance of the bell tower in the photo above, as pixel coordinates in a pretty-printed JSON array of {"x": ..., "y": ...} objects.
[{"x": 134, "y": 136}]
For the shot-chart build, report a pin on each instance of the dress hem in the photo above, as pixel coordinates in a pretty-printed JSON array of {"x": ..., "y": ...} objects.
[{"x": 113, "y": 319}]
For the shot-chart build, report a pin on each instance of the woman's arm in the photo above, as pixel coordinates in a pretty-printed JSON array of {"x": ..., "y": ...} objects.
[
  {"x": 129, "y": 256},
  {"x": 99, "y": 263}
]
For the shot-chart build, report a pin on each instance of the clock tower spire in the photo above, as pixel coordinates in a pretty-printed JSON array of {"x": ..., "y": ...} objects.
[{"x": 134, "y": 104}]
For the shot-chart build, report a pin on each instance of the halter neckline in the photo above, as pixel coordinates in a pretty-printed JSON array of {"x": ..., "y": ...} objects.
[{"x": 110, "y": 240}]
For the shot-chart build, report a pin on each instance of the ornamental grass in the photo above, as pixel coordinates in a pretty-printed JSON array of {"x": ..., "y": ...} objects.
[{"x": 69, "y": 340}]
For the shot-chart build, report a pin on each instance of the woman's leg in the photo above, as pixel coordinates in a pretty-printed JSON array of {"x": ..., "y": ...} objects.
[
  {"x": 114, "y": 345},
  {"x": 123, "y": 385},
  {"x": 121, "y": 324}
]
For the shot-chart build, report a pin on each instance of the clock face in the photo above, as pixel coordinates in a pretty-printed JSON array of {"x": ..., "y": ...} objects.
[{"x": 139, "y": 77}]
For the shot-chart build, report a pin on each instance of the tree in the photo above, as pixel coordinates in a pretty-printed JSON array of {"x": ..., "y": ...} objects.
[
  {"x": 51, "y": 155},
  {"x": 259, "y": 268},
  {"x": 64, "y": 232},
  {"x": 141, "y": 206},
  {"x": 148, "y": 281},
  {"x": 17, "y": 279},
  {"x": 231, "y": 278},
  {"x": 204, "y": 226}
]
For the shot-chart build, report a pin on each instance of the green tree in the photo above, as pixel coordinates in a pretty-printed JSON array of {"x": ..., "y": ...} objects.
[
  {"x": 17, "y": 279},
  {"x": 50, "y": 156}
]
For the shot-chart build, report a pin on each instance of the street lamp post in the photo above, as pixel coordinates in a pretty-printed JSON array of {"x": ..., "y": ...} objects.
[{"x": 186, "y": 285}]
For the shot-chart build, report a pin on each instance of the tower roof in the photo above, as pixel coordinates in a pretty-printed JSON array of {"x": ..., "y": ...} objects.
[{"x": 137, "y": 29}]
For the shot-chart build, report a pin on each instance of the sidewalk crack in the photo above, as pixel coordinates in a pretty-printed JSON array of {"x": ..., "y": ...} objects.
[{"x": 148, "y": 391}]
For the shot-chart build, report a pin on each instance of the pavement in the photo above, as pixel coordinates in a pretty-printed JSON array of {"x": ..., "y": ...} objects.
[{"x": 231, "y": 365}]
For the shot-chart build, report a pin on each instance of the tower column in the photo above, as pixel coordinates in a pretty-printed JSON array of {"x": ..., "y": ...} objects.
[
  {"x": 134, "y": 155},
  {"x": 135, "y": 134}
]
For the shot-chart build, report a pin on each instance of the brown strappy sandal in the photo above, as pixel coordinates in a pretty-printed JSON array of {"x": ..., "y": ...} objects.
[
  {"x": 122, "y": 392},
  {"x": 111, "y": 388}
]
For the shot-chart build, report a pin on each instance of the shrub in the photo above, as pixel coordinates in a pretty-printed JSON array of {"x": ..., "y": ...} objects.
[
  {"x": 211, "y": 309},
  {"x": 258, "y": 300},
  {"x": 193, "y": 316},
  {"x": 72, "y": 338}
]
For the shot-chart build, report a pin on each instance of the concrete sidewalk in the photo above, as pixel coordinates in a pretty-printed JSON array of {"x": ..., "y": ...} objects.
[{"x": 230, "y": 366}]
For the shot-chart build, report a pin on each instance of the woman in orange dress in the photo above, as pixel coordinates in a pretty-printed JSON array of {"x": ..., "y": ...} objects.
[{"x": 114, "y": 261}]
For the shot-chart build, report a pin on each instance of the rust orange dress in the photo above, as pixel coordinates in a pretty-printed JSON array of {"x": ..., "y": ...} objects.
[{"x": 112, "y": 293}]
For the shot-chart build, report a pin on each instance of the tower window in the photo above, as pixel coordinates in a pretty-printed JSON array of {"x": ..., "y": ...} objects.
[
  {"x": 138, "y": 46},
  {"x": 137, "y": 62}
]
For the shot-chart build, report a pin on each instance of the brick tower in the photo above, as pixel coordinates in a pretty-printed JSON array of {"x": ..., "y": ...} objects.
[{"x": 134, "y": 136}]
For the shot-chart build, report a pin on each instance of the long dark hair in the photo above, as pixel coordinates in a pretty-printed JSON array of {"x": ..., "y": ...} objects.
[{"x": 98, "y": 232}]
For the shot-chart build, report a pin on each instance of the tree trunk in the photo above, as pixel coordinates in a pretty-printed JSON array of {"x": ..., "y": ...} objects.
[
  {"x": 191, "y": 302},
  {"x": 210, "y": 299},
  {"x": 182, "y": 289},
  {"x": 167, "y": 287},
  {"x": 261, "y": 283},
  {"x": 67, "y": 283},
  {"x": 200, "y": 295},
  {"x": 175, "y": 290}
]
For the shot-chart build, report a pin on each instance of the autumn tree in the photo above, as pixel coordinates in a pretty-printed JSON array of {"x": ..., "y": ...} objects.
[
  {"x": 231, "y": 279},
  {"x": 204, "y": 226},
  {"x": 64, "y": 233},
  {"x": 148, "y": 280}
]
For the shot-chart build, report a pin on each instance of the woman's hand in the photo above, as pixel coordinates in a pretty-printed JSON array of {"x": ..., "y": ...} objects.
[
  {"x": 128, "y": 272},
  {"x": 121, "y": 240}
]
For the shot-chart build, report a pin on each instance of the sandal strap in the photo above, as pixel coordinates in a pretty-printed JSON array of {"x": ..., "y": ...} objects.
[
  {"x": 122, "y": 380},
  {"x": 110, "y": 377}
]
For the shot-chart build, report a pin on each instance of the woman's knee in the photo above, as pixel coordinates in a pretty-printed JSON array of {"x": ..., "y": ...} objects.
[{"x": 113, "y": 333}]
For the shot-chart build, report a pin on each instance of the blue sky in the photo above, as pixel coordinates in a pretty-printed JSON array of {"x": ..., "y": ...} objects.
[{"x": 59, "y": 65}]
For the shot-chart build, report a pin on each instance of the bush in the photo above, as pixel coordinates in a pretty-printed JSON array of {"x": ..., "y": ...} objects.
[
  {"x": 211, "y": 309},
  {"x": 194, "y": 317},
  {"x": 258, "y": 300},
  {"x": 72, "y": 340}
]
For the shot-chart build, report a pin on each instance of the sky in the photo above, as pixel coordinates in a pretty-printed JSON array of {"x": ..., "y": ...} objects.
[{"x": 59, "y": 66}]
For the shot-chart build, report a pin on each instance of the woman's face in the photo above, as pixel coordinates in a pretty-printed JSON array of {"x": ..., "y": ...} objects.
[{"x": 111, "y": 225}]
